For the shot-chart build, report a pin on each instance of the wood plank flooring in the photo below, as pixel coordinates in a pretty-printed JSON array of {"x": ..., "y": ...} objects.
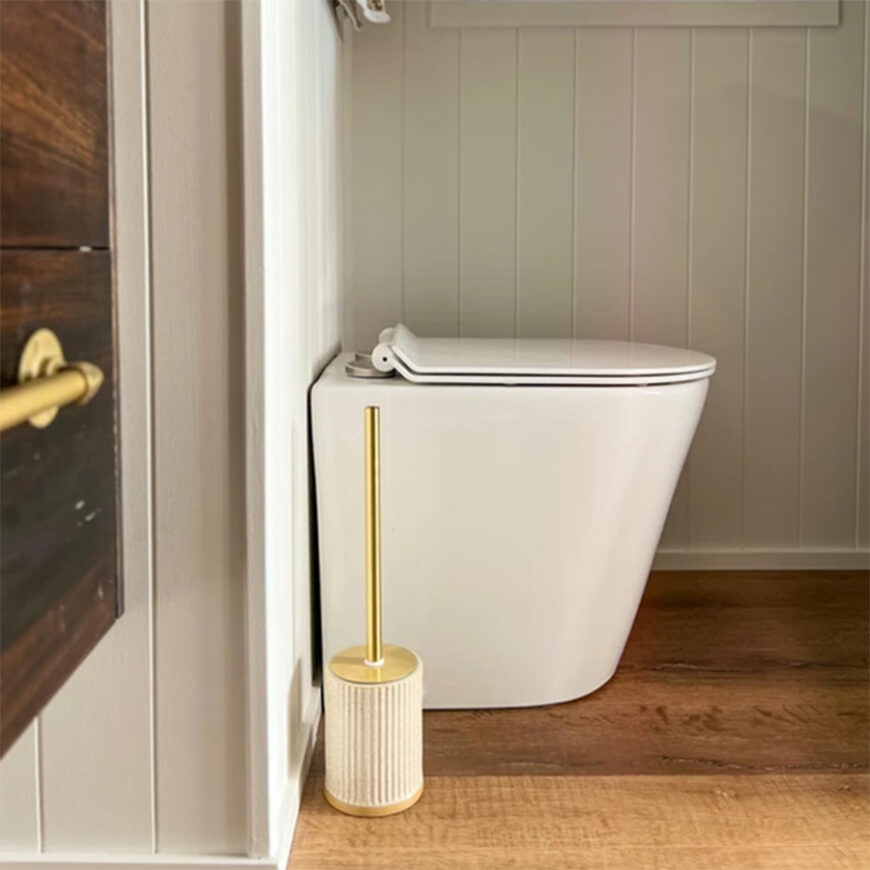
[{"x": 734, "y": 735}]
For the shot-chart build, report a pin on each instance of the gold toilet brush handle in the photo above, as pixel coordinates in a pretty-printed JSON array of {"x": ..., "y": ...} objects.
[
  {"x": 374, "y": 650},
  {"x": 374, "y": 693}
]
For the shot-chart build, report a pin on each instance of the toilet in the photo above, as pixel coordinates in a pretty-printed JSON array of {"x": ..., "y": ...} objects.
[{"x": 524, "y": 486}]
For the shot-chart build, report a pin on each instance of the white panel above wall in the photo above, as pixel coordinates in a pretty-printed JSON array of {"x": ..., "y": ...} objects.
[
  {"x": 633, "y": 13},
  {"x": 612, "y": 125}
]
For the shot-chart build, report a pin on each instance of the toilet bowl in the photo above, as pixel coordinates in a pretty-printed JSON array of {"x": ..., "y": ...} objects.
[{"x": 524, "y": 487}]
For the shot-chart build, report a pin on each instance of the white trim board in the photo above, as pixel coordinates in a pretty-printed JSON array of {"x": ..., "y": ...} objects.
[
  {"x": 291, "y": 800},
  {"x": 634, "y": 13},
  {"x": 762, "y": 560}
]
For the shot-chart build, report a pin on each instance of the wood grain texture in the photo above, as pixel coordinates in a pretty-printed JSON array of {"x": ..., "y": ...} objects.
[
  {"x": 54, "y": 158},
  {"x": 60, "y": 518},
  {"x": 734, "y": 735},
  {"x": 815, "y": 822}
]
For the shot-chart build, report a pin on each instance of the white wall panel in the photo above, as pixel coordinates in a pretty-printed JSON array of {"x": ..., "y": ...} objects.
[
  {"x": 774, "y": 292},
  {"x": 430, "y": 174},
  {"x": 862, "y": 510},
  {"x": 602, "y": 209},
  {"x": 545, "y": 166},
  {"x": 685, "y": 224},
  {"x": 660, "y": 230},
  {"x": 831, "y": 304},
  {"x": 19, "y": 799},
  {"x": 718, "y": 276},
  {"x": 197, "y": 286},
  {"x": 376, "y": 178},
  {"x": 487, "y": 161}
]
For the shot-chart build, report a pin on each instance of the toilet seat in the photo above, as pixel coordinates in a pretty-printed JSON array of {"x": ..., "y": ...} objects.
[{"x": 535, "y": 361}]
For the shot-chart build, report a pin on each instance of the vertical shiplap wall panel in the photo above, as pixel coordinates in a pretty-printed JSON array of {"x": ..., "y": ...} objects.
[
  {"x": 639, "y": 252},
  {"x": 199, "y": 565},
  {"x": 430, "y": 179},
  {"x": 19, "y": 803},
  {"x": 602, "y": 211},
  {"x": 833, "y": 243},
  {"x": 718, "y": 280},
  {"x": 96, "y": 732},
  {"x": 487, "y": 196},
  {"x": 774, "y": 294},
  {"x": 545, "y": 165},
  {"x": 659, "y": 297},
  {"x": 862, "y": 509},
  {"x": 376, "y": 178},
  {"x": 862, "y": 531}
]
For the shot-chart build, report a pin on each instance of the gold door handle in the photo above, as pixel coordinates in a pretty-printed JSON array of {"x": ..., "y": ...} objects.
[{"x": 46, "y": 383}]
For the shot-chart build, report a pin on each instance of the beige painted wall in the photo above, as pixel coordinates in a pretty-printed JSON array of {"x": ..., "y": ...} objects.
[{"x": 703, "y": 187}]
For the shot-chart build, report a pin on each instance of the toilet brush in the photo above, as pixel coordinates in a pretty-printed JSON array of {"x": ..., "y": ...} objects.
[{"x": 374, "y": 693}]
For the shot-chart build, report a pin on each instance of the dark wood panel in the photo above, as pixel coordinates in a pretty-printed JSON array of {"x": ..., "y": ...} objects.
[
  {"x": 38, "y": 662},
  {"x": 58, "y": 541},
  {"x": 54, "y": 159}
]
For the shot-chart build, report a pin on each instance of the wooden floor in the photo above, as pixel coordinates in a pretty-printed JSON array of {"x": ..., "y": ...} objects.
[{"x": 734, "y": 735}]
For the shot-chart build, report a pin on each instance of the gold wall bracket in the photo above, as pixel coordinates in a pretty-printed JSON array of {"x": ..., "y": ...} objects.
[{"x": 46, "y": 383}]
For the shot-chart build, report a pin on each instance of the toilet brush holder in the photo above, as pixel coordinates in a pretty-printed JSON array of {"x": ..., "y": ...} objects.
[{"x": 373, "y": 692}]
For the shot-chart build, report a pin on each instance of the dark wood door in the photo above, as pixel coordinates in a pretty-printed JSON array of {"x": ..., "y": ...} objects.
[{"x": 59, "y": 541}]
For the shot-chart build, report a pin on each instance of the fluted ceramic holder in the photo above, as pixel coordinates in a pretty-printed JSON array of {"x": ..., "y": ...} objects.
[
  {"x": 374, "y": 743},
  {"x": 374, "y": 693}
]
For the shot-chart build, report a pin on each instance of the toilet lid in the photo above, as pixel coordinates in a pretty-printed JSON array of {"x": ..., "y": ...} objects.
[{"x": 535, "y": 360}]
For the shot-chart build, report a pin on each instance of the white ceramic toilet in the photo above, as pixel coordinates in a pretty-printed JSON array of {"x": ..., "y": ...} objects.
[{"x": 525, "y": 484}]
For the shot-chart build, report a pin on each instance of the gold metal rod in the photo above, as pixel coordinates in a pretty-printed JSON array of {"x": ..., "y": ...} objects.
[
  {"x": 374, "y": 653},
  {"x": 23, "y": 401}
]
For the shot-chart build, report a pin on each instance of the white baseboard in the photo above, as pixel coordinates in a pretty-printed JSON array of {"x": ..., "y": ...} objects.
[
  {"x": 291, "y": 799},
  {"x": 105, "y": 861},
  {"x": 762, "y": 560}
]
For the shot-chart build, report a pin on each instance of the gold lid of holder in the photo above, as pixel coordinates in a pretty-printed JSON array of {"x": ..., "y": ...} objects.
[{"x": 396, "y": 664}]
